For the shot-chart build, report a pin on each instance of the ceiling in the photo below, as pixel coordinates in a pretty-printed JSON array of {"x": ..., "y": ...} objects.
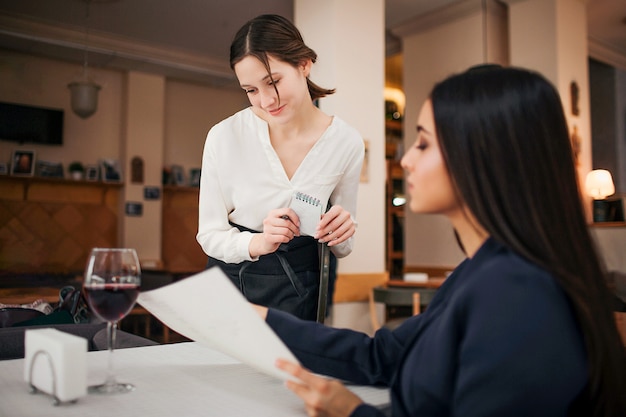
[{"x": 190, "y": 39}]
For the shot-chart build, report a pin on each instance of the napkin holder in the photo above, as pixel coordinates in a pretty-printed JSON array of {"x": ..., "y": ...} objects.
[{"x": 56, "y": 364}]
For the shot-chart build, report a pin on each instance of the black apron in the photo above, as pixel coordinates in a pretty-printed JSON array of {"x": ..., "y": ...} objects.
[{"x": 287, "y": 279}]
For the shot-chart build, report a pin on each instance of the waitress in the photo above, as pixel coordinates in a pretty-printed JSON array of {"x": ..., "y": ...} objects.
[{"x": 258, "y": 162}]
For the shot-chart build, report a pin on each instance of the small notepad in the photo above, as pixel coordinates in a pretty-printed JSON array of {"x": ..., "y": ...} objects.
[{"x": 309, "y": 209}]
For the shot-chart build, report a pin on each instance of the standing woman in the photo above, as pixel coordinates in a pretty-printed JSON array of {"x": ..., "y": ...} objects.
[
  {"x": 523, "y": 326},
  {"x": 255, "y": 162}
]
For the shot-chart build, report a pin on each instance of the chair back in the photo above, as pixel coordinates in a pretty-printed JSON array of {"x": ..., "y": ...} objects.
[{"x": 411, "y": 301}]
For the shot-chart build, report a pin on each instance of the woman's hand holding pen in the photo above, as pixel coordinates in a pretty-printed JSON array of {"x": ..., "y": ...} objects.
[
  {"x": 322, "y": 397},
  {"x": 335, "y": 227},
  {"x": 280, "y": 226}
]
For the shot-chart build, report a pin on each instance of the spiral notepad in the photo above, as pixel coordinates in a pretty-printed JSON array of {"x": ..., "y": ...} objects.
[{"x": 309, "y": 209}]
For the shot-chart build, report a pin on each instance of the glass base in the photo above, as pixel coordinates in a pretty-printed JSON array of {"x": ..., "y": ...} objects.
[{"x": 108, "y": 389}]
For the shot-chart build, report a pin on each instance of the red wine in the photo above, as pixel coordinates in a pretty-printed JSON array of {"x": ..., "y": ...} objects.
[{"x": 111, "y": 302}]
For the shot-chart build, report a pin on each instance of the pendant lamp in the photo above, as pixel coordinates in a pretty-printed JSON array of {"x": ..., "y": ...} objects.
[{"x": 84, "y": 91}]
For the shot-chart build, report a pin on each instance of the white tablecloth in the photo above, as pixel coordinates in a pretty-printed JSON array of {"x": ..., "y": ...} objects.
[{"x": 175, "y": 380}]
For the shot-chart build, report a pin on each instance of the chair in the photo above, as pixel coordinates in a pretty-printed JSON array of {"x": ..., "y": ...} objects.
[
  {"x": 399, "y": 302},
  {"x": 150, "y": 280}
]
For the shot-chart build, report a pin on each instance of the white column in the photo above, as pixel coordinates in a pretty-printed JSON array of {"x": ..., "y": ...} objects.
[
  {"x": 348, "y": 36},
  {"x": 436, "y": 45},
  {"x": 550, "y": 36},
  {"x": 143, "y": 137}
]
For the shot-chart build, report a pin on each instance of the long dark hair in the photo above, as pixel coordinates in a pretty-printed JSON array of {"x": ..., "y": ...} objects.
[
  {"x": 504, "y": 139},
  {"x": 274, "y": 35}
]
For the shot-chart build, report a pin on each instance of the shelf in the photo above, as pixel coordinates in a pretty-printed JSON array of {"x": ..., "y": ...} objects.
[
  {"x": 42, "y": 189},
  {"x": 64, "y": 181},
  {"x": 394, "y": 126},
  {"x": 394, "y": 220},
  {"x": 608, "y": 224},
  {"x": 396, "y": 172},
  {"x": 181, "y": 189},
  {"x": 394, "y": 215}
]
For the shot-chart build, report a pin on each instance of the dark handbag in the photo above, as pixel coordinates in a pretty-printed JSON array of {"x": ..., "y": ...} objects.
[
  {"x": 72, "y": 301},
  {"x": 72, "y": 308},
  {"x": 14, "y": 315}
]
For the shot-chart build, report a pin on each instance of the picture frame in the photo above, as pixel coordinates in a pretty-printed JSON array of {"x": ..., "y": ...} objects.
[
  {"x": 151, "y": 193},
  {"x": 4, "y": 169},
  {"x": 178, "y": 175},
  {"x": 92, "y": 173},
  {"x": 134, "y": 209},
  {"x": 166, "y": 176},
  {"x": 609, "y": 210},
  {"x": 23, "y": 163},
  {"x": 110, "y": 170},
  {"x": 48, "y": 169},
  {"x": 194, "y": 177}
]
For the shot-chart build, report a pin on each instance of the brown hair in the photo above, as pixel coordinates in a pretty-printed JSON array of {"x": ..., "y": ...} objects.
[{"x": 276, "y": 36}]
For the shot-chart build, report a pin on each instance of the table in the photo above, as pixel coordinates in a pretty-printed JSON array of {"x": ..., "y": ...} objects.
[
  {"x": 434, "y": 282},
  {"x": 182, "y": 379}
]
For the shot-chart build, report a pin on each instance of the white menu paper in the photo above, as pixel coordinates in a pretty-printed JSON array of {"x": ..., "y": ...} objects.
[{"x": 209, "y": 309}]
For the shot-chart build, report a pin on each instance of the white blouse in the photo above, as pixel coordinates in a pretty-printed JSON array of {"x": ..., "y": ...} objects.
[{"x": 243, "y": 179}]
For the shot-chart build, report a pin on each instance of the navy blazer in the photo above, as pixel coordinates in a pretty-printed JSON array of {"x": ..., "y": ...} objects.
[{"x": 498, "y": 339}]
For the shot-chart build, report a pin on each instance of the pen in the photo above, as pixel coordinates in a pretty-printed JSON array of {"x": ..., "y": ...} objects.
[{"x": 285, "y": 217}]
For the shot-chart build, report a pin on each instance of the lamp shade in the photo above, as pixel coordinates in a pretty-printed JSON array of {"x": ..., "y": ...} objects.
[
  {"x": 599, "y": 184},
  {"x": 84, "y": 97}
]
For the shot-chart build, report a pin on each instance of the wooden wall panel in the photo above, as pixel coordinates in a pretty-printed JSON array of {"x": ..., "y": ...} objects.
[
  {"x": 49, "y": 226},
  {"x": 181, "y": 251}
]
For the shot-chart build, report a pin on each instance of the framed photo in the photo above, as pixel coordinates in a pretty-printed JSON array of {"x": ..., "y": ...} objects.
[
  {"x": 91, "y": 173},
  {"x": 134, "y": 209},
  {"x": 110, "y": 170},
  {"x": 194, "y": 177},
  {"x": 151, "y": 193},
  {"x": 178, "y": 175},
  {"x": 136, "y": 170},
  {"x": 23, "y": 163},
  {"x": 49, "y": 169},
  {"x": 4, "y": 170},
  {"x": 166, "y": 176}
]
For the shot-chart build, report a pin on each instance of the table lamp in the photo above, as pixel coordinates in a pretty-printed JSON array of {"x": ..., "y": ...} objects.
[{"x": 599, "y": 185}]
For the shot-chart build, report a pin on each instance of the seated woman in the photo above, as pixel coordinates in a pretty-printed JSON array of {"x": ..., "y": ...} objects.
[{"x": 523, "y": 326}]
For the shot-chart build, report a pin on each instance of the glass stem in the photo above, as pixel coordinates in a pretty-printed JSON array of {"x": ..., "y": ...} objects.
[{"x": 111, "y": 331}]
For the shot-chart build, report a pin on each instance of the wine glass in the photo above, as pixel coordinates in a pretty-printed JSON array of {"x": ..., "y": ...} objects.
[{"x": 111, "y": 287}]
